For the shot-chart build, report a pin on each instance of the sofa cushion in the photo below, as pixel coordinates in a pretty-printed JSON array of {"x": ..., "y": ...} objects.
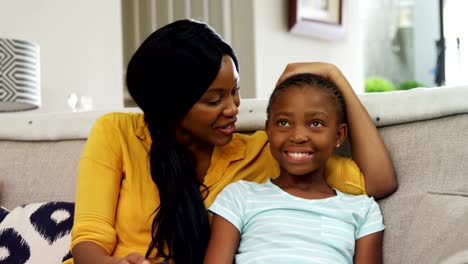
[
  {"x": 457, "y": 258},
  {"x": 37, "y": 233},
  {"x": 438, "y": 229}
]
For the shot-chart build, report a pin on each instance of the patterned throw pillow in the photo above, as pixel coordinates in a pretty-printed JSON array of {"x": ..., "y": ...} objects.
[
  {"x": 3, "y": 213},
  {"x": 36, "y": 233}
]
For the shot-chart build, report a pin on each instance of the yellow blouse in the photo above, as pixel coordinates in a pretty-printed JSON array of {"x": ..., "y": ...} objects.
[{"x": 116, "y": 197}]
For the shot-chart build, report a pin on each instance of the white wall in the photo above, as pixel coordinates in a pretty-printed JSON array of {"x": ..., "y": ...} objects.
[
  {"x": 426, "y": 33},
  {"x": 456, "y": 56},
  {"x": 275, "y": 46},
  {"x": 81, "y": 47}
]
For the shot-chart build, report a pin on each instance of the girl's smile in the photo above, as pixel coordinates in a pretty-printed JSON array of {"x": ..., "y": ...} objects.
[{"x": 298, "y": 157}]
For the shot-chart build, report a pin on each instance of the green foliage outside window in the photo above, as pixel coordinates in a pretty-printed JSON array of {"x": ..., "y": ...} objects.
[
  {"x": 380, "y": 84},
  {"x": 410, "y": 84}
]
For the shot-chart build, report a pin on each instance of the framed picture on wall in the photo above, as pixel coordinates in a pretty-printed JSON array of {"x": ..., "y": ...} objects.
[{"x": 323, "y": 19}]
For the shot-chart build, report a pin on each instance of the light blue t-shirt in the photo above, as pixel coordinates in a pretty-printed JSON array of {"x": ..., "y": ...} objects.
[{"x": 277, "y": 227}]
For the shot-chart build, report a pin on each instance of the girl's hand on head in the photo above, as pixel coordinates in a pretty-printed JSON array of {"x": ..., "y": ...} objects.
[{"x": 326, "y": 70}]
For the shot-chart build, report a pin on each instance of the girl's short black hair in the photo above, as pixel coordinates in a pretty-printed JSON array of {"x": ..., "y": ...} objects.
[{"x": 312, "y": 80}]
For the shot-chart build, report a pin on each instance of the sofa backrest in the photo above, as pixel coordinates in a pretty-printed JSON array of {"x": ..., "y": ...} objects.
[{"x": 38, "y": 171}]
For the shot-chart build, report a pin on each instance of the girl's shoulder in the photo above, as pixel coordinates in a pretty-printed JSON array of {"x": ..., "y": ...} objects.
[
  {"x": 245, "y": 187},
  {"x": 359, "y": 201}
]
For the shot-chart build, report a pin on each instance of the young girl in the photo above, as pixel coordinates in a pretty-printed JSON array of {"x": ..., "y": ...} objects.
[{"x": 297, "y": 217}]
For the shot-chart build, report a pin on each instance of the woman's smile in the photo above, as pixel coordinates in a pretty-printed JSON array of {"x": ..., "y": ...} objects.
[{"x": 228, "y": 129}]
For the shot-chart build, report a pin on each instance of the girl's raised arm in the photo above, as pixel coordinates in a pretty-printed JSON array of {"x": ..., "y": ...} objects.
[
  {"x": 223, "y": 242},
  {"x": 368, "y": 149}
]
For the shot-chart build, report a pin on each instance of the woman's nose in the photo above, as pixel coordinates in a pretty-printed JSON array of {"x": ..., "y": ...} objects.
[{"x": 231, "y": 109}]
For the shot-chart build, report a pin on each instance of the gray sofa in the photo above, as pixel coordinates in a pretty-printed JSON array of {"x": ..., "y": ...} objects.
[{"x": 425, "y": 130}]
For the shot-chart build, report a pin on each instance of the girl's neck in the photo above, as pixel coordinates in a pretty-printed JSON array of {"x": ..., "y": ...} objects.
[{"x": 311, "y": 186}]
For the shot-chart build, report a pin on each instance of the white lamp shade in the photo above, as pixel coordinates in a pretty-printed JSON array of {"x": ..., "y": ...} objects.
[{"x": 20, "y": 84}]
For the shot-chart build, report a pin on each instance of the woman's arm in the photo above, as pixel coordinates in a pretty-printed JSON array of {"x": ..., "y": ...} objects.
[
  {"x": 367, "y": 147},
  {"x": 89, "y": 252},
  {"x": 223, "y": 242},
  {"x": 97, "y": 196},
  {"x": 368, "y": 249}
]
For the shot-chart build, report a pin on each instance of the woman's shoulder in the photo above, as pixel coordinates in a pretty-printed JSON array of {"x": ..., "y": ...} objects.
[
  {"x": 121, "y": 119},
  {"x": 251, "y": 145},
  {"x": 121, "y": 123},
  {"x": 249, "y": 138}
]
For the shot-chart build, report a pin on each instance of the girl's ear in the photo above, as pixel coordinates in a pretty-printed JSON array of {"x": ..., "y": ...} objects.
[{"x": 341, "y": 134}]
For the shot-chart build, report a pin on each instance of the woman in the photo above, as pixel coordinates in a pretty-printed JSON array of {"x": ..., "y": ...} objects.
[{"x": 144, "y": 181}]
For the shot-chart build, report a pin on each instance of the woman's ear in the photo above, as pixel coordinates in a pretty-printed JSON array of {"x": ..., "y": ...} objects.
[
  {"x": 341, "y": 134},
  {"x": 267, "y": 124}
]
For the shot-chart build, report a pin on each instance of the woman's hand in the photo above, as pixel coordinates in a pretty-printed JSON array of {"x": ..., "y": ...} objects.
[
  {"x": 132, "y": 258},
  {"x": 368, "y": 149},
  {"x": 90, "y": 252}
]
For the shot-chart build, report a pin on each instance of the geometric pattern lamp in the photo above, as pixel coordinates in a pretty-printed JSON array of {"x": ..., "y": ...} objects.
[{"x": 20, "y": 82}]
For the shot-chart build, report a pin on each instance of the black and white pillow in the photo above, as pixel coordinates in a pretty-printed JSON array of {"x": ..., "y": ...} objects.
[
  {"x": 36, "y": 233},
  {"x": 3, "y": 213}
]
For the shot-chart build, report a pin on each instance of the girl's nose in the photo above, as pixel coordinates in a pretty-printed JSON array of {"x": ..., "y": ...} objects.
[{"x": 298, "y": 135}]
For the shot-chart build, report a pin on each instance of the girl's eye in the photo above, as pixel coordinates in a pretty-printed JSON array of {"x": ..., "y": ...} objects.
[
  {"x": 316, "y": 124},
  {"x": 283, "y": 123}
]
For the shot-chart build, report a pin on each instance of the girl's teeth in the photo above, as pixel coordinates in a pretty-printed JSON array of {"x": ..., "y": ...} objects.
[{"x": 298, "y": 155}]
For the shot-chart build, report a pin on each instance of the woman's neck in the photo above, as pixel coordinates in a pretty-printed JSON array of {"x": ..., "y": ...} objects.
[
  {"x": 201, "y": 152},
  {"x": 202, "y": 161}
]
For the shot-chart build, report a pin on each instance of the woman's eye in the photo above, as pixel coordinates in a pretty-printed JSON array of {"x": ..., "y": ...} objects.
[
  {"x": 316, "y": 124},
  {"x": 235, "y": 91},
  {"x": 214, "y": 102},
  {"x": 283, "y": 123}
]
